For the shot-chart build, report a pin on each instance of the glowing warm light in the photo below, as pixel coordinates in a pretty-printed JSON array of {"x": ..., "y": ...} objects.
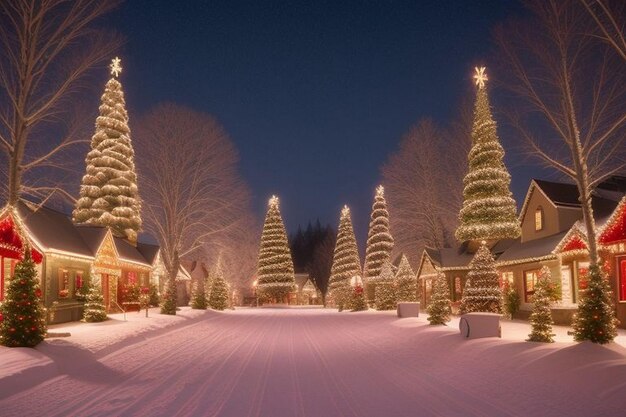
[
  {"x": 480, "y": 76},
  {"x": 345, "y": 211},
  {"x": 116, "y": 66},
  {"x": 380, "y": 191},
  {"x": 273, "y": 201}
]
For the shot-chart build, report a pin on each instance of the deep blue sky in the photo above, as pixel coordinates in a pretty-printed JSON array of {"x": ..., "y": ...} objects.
[{"x": 315, "y": 94}]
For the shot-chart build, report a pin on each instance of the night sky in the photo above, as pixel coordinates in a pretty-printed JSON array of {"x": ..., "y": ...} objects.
[{"x": 315, "y": 94}]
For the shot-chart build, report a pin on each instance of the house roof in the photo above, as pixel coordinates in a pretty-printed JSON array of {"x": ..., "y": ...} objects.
[
  {"x": 149, "y": 251},
  {"x": 536, "y": 248}
]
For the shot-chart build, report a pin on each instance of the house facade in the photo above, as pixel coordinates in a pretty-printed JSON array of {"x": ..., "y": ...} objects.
[
  {"x": 552, "y": 236},
  {"x": 71, "y": 257}
]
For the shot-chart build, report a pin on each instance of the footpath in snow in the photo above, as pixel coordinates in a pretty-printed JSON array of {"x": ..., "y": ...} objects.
[{"x": 307, "y": 362}]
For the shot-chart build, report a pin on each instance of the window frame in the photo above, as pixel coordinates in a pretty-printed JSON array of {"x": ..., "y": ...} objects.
[
  {"x": 528, "y": 294},
  {"x": 539, "y": 211}
]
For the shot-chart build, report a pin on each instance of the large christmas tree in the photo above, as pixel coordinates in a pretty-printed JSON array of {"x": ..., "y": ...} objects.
[
  {"x": 595, "y": 320},
  {"x": 275, "y": 273},
  {"x": 488, "y": 211},
  {"x": 346, "y": 262},
  {"x": 541, "y": 317},
  {"x": 482, "y": 290},
  {"x": 94, "y": 309},
  {"x": 108, "y": 193},
  {"x": 439, "y": 307},
  {"x": 386, "y": 297},
  {"x": 379, "y": 242},
  {"x": 22, "y": 316},
  {"x": 406, "y": 281}
]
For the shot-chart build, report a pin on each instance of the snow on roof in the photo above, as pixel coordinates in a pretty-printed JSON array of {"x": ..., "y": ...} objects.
[{"x": 522, "y": 252}]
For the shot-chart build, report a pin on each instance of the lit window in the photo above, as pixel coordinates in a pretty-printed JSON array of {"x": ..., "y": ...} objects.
[
  {"x": 64, "y": 283},
  {"x": 458, "y": 288},
  {"x": 530, "y": 280},
  {"x": 538, "y": 219},
  {"x": 506, "y": 279},
  {"x": 583, "y": 275}
]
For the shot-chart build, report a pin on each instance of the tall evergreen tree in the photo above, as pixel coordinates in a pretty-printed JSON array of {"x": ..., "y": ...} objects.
[
  {"x": 22, "y": 316},
  {"x": 346, "y": 262},
  {"x": 108, "y": 193},
  {"x": 595, "y": 320},
  {"x": 439, "y": 307},
  {"x": 275, "y": 272},
  {"x": 379, "y": 241},
  {"x": 406, "y": 281},
  {"x": 488, "y": 211},
  {"x": 541, "y": 316},
  {"x": 482, "y": 290},
  {"x": 386, "y": 297}
]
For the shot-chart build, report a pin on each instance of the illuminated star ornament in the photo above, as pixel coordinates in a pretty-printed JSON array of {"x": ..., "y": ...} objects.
[
  {"x": 116, "y": 67},
  {"x": 273, "y": 201},
  {"x": 480, "y": 76}
]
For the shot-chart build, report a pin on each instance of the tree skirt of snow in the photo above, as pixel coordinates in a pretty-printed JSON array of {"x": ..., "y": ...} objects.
[{"x": 310, "y": 362}]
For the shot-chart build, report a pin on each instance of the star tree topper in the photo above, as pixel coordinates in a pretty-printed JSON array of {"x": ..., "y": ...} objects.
[
  {"x": 116, "y": 67},
  {"x": 480, "y": 76}
]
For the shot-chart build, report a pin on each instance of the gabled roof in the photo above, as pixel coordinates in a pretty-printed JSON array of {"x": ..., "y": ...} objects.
[
  {"x": 574, "y": 239},
  {"x": 522, "y": 252}
]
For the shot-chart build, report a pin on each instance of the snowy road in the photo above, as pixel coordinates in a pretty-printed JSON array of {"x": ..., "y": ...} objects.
[{"x": 272, "y": 362}]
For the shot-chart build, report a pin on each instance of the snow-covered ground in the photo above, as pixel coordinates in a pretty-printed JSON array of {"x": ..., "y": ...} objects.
[{"x": 307, "y": 362}]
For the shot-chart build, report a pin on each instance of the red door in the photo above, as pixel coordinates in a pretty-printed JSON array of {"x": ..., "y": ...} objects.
[{"x": 105, "y": 289}]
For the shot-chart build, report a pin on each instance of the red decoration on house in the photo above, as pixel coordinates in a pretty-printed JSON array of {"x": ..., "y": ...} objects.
[
  {"x": 575, "y": 243},
  {"x": 615, "y": 229},
  {"x": 11, "y": 245}
]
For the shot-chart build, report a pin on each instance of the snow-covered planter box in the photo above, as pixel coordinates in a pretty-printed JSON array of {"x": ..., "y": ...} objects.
[
  {"x": 408, "y": 309},
  {"x": 476, "y": 325}
]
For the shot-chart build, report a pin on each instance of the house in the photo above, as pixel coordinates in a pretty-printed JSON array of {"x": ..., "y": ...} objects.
[
  {"x": 552, "y": 235},
  {"x": 69, "y": 257}
]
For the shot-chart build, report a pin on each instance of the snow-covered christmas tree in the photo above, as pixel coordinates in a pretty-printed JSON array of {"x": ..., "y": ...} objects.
[
  {"x": 198, "y": 297},
  {"x": 275, "y": 267},
  {"x": 385, "y": 297},
  {"x": 541, "y": 316},
  {"x": 482, "y": 290},
  {"x": 346, "y": 262},
  {"x": 489, "y": 211},
  {"x": 94, "y": 309},
  {"x": 439, "y": 307},
  {"x": 379, "y": 242},
  {"x": 22, "y": 316},
  {"x": 595, "y": 320},
  {"x": 358, "y": 301},
  {"x": 108, "y": 193},
  {"x": 406, "y": 281},
  {"x": 219, "y": 298}
]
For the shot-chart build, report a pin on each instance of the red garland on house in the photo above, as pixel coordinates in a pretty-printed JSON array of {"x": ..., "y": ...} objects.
[
  {"x": 575, "y": 243},
  {"x": 615, "y": 229},
  {"x": 11, "y": 245}
]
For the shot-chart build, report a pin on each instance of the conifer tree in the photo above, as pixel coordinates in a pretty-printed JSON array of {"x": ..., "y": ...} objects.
[
  {"x": 169, "y": 299},
  {"x": 275, "y": 267},
  {"x": 439, "y": 307},
  {"x": 346, "y": 262},
  {"x": 595, "y": 320},
  {"x": 198, "y": 299},
  {"x": 94, "y": 309},
  {"x": 406, "y": 281},
  {"x": 108, "y": 193},
  {"x": 379, "y": 241},
  {"x": 219, "y": 298},
  {"x": 22, "y": 316},
  {"x": 541, "y": 316},
  {"x": 482, "y": 290},
  {"x": 488, "y": 211},
  {"x": 386, "y": 296}
]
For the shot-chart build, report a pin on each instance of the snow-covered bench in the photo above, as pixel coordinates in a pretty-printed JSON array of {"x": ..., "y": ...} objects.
[
  {"x": 476, "y": 325},
  {"x": 408, "y": 309}
]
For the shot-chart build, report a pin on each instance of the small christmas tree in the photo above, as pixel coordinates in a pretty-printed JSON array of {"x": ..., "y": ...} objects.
[
  {"x": 595, "y": 320},
  {"x": 439, "y": 307},
  {"x": 168, "y": 301},
  {"x": 406, "y": 282},
  {"x": 22, "y": 317},
  {"x": 488, "y": 211},
  {"x": 219, "y": 292},
  {"x": 379, "y": 242},
  {"x": 199, "y": 300},
  {"x": 275, "y": 267},
  {"x": 358, "y": 302},
  {"x": 94, "y": 309},
  {"x": 346, "y": 262},
  {"x": 108, "y": 193},
  {"x": 155, "y": 297},
  {"x": 541, "y": 317},
  {"x": 385, "y": 296},
  {"x": 482, "y": 290}
]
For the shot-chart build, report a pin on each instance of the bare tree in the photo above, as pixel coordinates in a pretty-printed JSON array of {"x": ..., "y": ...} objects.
[
  {"x": 570, "y": 96},
  {"x": 423, "y": 183},
  {"x": 192, "y": 193},
  {"x": 47, "y": 49},
  {"x": 609, "y": 18}
]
